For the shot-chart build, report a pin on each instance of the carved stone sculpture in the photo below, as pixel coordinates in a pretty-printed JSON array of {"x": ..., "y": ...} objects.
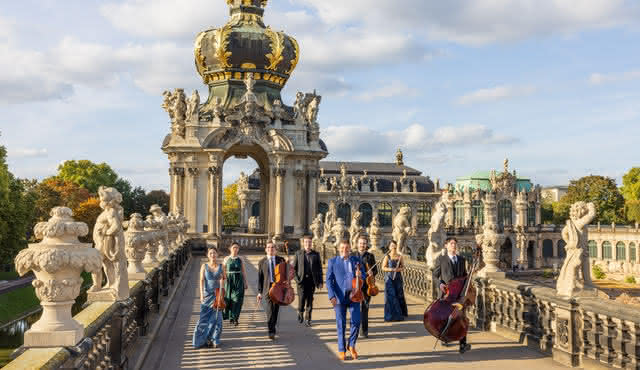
[
  {"x": 160, "y": 224},
  {"x": 254, "y": 224},
  {"x": 375, "y": 234},
  {"x": 173, "y": 229},
  {"x": 176, "y": 106},
  {"x": 317, "y": 228},
  {"x": 192, "y": 106},
  {"x": 575, "y": 274},
  {"x": 436, "y": 235},
  {"x": 490, "y": 240},
  {"x": 136, "y": 240},
  {"x": 355, "y": 230},
  {"x": 329, "y": 220},
  {"x": 150, "y": 257},
  {"x": 338, "y": 231},
  {"x": 402, "y": 228},
  {"x": 57, "y": 262},
  {"x": 312, "y": 109},
  {"x": 108, "y": 236}
]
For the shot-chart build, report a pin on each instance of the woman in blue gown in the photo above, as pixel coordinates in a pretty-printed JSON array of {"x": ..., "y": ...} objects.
[
  {"x": 209, "y": 326},
  {"x": 395, "y": 306}
]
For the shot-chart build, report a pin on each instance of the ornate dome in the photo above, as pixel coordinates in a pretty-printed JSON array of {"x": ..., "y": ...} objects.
[{"x": 245, "y": 45}]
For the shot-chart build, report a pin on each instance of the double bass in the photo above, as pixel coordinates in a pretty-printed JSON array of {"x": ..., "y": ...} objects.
[
  {"x": 281, "y": 291},
  {"x": 446, "y": 318}
]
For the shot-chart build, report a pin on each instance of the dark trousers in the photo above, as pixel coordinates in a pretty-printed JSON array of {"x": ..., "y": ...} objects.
[
  {"x": 364, "y": 314},
  {"x": 463, "y": 341},
  {"x": 271, "y": 310},
  {"x": 306, "y": 289}
]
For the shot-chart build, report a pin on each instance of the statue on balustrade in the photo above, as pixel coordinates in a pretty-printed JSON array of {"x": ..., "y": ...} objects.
[
  {"x": 436, "y": 235},
  {"x": 329, "y": 220},
  {"x": 160, "y": 224},
  {"x": 317, "y": 228},
  {"x": 108, "y": 236},
  {"x": 254, "y": 224},
  {"x": 402, "y": 228},
  {"x": 575, "y": 274},
  {"x": 338, "y": 230},
  {"x": 375, "y": 233},
  {"x": 355, "y": 230}
]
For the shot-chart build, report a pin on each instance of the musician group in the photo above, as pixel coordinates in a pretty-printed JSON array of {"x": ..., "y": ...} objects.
[{"x": 350, "y": 282}]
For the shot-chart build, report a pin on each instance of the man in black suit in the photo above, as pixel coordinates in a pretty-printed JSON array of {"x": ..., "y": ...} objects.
[
  {"x": 369, "y": 261},
  {"x": 448, "y": 267},
  {"x": 266, "y": 277},
  {"x": 308, "y": 268}
]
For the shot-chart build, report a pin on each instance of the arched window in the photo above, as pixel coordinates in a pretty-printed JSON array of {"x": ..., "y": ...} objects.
[
  {"x": 384, "y": 214},
  {"x": 366, "y": 213},
  {"x": 606, "y": 250},
  {"x": 424, "y": 214},
  {"x": 632, "y": 252},
  {"x": 344, "y": 212},
  {"x": 504, "y": 213},
  {"x": 593, "y": 249},
  {"x": 255, "y": 209},
  {"x": 562, "y": 253},
  {"x": 458, "y": 213},
  {"x": 621, "y": 254},
  {"x": 547, "y": 248},
  {"x": 531, "y": 214},
  {"x": 477, "y": 212},
  {"x": 323, "y": 208}
]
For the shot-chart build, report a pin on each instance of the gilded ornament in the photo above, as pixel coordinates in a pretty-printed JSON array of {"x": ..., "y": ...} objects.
[
  {"x": 222, "y": 41},
  {"x": 200, "y": 59},
  {"x": 277, "y": 47},
  {"x": 294, "y": 61}
]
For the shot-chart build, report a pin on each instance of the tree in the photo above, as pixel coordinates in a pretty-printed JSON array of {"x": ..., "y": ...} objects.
[
  {"x": 631, "y": 184},
  {"x": 600, "y": 190},
  {"x": 88, "y": 174},
  {"x": 87, "y": 212},
  {"x": 54, "y": 192},
  {"x": 159, "y": 197},
  {"x": 231, "y": 205},
  {"x": 632, "y": 210}
]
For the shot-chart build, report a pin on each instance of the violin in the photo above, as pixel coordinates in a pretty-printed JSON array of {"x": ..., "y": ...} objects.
[
  {"x": 372, "y": 289},
  {"x": 356, "y": 288},
  {"x": 446, "y": 318},
  {"x": 281, "y": 291},
  {"x": 219, "y": 303}
]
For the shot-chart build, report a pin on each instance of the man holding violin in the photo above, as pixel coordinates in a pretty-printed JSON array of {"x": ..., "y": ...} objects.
[
  {"x": 371, "y": 267},
  {"x": 344, "y": 278},
  {"x": 266, "y": 277},
  {"x": 449, "y": 266},
  {"x": 308, "y": 268}
]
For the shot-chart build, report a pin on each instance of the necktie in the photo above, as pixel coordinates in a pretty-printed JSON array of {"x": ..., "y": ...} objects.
[{"x": 273, "y": 269}]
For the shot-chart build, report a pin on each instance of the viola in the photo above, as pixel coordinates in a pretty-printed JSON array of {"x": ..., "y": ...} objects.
[
  {"x": 219, "y": 303},
  {"x": 372, "y": 288},
  {"x": 281, "y": 291},
  {"x": 356, "y": 288},
  {"x": 446, "y": 318}
]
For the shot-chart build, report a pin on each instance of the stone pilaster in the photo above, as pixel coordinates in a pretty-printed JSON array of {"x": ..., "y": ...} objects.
[
  {"x": 191, "y": 197},
  {"x": 212, "y": 199},
  {"x": 300, "y": 210},
  {"x": 312, "y": 195},
  {"x": 566, "y": 346},
  {"x": 279, "y": 174}
]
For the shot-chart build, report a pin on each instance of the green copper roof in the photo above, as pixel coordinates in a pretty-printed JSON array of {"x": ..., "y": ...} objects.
[{"x": 480, "y": 180}]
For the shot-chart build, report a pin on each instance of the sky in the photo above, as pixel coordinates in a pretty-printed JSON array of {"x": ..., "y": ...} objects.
[{"x": 458, "y": 85}]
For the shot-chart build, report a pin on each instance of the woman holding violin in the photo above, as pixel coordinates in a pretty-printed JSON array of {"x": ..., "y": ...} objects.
[
  {"x": 448, "y": 267},
  {"x": 209, "y": 326},
  {"x": 344, "y": 282},
  {"x": 395, "y": 305}
]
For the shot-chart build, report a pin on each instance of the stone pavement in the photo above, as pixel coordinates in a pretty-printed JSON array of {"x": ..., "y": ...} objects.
[{"x": 399, "y": 345}]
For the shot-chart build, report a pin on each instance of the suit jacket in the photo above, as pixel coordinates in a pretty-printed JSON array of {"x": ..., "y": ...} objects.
[
  {"x": 369, "y": 260},
  {"x": 336, "y": 286},
  {"x": 263, "y": 275},
  {"x": 444, "y": 271},
  {"x": 316, "y": 267}
]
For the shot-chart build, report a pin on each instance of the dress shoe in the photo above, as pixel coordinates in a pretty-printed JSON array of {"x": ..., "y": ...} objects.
[
  {"x": 464, "y": 348},
  {"x": 215, "y": 345},
  {"x": 300, "y": 318},
  {"x": 365, "y": 335},
  {"x": 307, "y": 323},
  {"x": 235, "y": 323},
  {"x": 272, "y": 336},
  {"x": 354, "y": 354},
  {"x": 341, "y": 356}
]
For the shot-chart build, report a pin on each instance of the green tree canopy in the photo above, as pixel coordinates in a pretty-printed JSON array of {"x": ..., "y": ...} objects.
[
  {"x": 87, "y": 174},
  {"x": 631, "y": 184},
  {"x": 231, "y": 205},
  {"x": 600, "y": 190}
]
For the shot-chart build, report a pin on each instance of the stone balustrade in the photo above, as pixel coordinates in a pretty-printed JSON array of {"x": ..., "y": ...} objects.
[{"x": 254, "y": 242}]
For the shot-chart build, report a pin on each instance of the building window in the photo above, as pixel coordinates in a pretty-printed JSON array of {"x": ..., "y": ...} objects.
[
  {"x": 323, "y": 208},
  {"x": 344, "y": 212},
  {"x": 593, "y": 249},
  {"x": 424, "y": 214},
  {"x": 477, "y": 213},
  {"x": 384, "y": 214},
  {"x": 504, "y": 213},
  {"x": 458, "y": 213},
  {"x": 632, "y": 252},
  {"x": 606, "y": 250},
  {"x": 366, "y": 213},
  {"x": 621, "y": 254},
  {"x": 255, "y": 209},
  {"x": 531, "y": 214},
  {"x": 547, "y": 248}
]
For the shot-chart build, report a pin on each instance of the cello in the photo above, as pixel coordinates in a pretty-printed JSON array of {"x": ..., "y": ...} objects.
[
  {"x": 281, "y": 291},
  {"x": 446, "y": 318}
]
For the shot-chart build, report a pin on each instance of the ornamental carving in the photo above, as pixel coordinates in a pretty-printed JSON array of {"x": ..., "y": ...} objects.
[
  {"x": 437, "y": 234},
  {"x": 174, "y": 103},
  {"x": 57, "y": 290},
  {"x": 402, "y": 228},
  {"x": 317, "y": 228},
  {"x": 504, "y": 182},
  {"x": 193, "y": 171},
  {"x": 222, "y": 42},
  {"x": 213, "y": 170},
  {"x": 563, "y": 331},
  {"x": 277, "y": 47},
  {"x": 136, "y": 240}
]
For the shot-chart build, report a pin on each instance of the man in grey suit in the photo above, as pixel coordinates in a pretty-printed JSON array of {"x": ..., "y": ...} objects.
[{"x": 448, "y": 267}]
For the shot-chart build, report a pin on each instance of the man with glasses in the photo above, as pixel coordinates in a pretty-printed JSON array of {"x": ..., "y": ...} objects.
[{"x": 266, "y": 277}]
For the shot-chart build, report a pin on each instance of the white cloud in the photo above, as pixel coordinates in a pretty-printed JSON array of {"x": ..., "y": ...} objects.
[
  {"x": 395, "y": 88},
  {"x": 599, "y": 78},
  {"x": 27, "y": 153},
  {"x": 495, "y": 93}
]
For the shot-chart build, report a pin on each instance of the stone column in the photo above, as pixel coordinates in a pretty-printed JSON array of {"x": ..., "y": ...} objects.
[
  {"x": 190, "y": 193},
  {"x": 599, "y": 249},
  {"x": 57, "y": 262},
  {"x": 300, "y": 210},
  {"x": 555, "y": 248},
  {"x": 279, "y": 174},
  {"x": 173, "y": 190},
  {"x": 414, "y": 216},
  {"x": 212, "y": 200},
  {"x": 538, "y": 214},
  {"x": 467, "y": 211},
  {"x": 219, "y": 191},
  {"x": 627, "y": 252},
  {"x": 312, "y": 196},
  {"x": 566, "y": 343},
  {"x": 450, "y": 220}
]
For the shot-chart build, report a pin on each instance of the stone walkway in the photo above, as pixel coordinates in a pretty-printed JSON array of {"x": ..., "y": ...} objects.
[{"x": 400, "y": 345}]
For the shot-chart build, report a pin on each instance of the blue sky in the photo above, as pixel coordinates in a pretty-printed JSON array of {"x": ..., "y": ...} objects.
[{"x": 458, "y": 85}]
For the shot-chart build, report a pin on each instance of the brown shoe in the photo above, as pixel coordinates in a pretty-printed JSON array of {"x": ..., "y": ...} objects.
[
  {"x": 354, "y": 354},
  {"x": 341, "y": 356}
]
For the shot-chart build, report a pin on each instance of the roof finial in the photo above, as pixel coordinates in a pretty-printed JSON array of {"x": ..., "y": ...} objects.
[
  {"x": 506, "y": 165},
  {"x": 399, "y": 158}
]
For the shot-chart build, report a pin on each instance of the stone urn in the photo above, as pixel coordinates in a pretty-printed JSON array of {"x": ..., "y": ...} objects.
[
  {"x": 57, "y": 262},
  {"x": 136, "y": 240},
  {"x": 490, "y": 241},
  {"x": 150, "y": 258}
]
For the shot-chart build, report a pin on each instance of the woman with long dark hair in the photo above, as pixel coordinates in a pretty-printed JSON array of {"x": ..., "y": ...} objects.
[
  {"x": 235, "y": 285},
  {"x": 209, "y": 326},
  {"x": 395, "y": 305}
]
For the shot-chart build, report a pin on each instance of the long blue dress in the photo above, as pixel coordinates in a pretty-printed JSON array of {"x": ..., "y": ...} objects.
[
  {"x": 209, "y": 326},
  {"x": 395, "y": 306}
]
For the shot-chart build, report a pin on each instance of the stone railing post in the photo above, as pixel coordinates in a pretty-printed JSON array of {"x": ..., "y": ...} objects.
[{"x": 57, "y": 262}]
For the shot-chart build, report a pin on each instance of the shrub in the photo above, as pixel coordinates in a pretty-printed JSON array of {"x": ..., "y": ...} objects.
[
  {"x": 630, "y": 280},
  {"x": 597, "y": 272},
  {"x": 547, "y": 273}
]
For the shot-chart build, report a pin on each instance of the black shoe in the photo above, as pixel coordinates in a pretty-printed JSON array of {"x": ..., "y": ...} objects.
[
  {"x": 307, "y": 323},
  {"x": 272, "y": 336},
  {"x": 235, "y": 323},
  {"x": 300, "y": 318},
  {"x": 464, "y": 348},
  {"x": 365, "y": 334},
  {"x": 209, "y": 344}
]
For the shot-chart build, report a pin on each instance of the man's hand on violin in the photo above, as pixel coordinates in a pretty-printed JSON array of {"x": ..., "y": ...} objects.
[{"x": 443, "y": 288}]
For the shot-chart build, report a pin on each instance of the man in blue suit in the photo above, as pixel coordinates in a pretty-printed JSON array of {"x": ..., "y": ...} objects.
[{"x": 341, "y": 271}]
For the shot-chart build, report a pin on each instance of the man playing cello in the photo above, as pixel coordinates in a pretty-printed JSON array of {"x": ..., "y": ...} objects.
[
  {"x": 448, "y": 267},
  {"x": 341, "y": 271}
]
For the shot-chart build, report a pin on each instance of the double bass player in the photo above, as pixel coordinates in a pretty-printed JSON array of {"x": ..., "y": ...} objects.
[{"x": 448, "y": 267}]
